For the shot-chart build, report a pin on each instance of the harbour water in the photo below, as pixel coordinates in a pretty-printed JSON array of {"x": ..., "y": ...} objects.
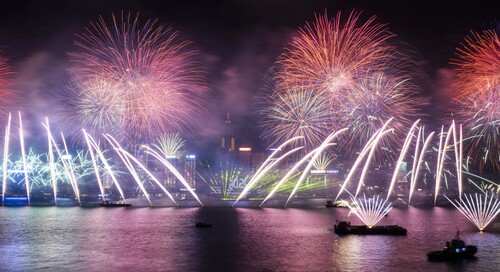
[{"x": 241, "y": 239}]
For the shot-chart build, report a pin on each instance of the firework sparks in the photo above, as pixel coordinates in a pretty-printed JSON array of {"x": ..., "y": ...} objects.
[
  {"x": 97, "y": 106},
  {"x": 374, "y": 100},
  {"x": 370, "y": 210},
  {"x": 296, "y": 113},
  {"x": 6, "y": 92},
  {"x": 477, "y": 96},
  {"x": 170, "y": 145},
  {"x": 481, "y": 212},
  {"x": 328, "y": 55},
  {"x": 361, "y": 78},
  {"x": 139, "y": 78}
]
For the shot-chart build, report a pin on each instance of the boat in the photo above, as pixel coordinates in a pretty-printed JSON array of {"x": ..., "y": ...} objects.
[
  {"x": 344, "y": 228},
  {"x": 112, "y": 204},
  {"x": 203, "y": 224},
  {"x": 453, "y": 251},
  {"x": 329, "y": 204},
  {"x": 336, "y": 204}
]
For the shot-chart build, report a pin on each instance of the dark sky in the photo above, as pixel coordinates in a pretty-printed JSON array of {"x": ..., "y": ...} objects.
[{"x": 239, "y": 40}]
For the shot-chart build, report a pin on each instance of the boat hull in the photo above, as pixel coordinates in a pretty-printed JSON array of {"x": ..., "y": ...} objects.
[
  {"x": 466, "y": 253},
  {"x": 343, "y": 228},
  {"x": 112, "y": 205},
  {"x": 203, "y": 225}
]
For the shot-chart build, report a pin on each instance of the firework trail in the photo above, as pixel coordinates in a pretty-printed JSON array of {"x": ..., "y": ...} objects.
[
  {"x": 477, "y": 96},
  {"x": 139, "y": 78}
]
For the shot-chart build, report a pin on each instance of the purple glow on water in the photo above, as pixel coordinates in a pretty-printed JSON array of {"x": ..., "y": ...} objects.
[{"x": 241, "y": 239}]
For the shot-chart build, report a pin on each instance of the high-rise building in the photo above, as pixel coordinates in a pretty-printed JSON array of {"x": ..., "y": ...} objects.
[
  {"x": 245, "y": 157},
  {"x": 258, "y": 159},
  {"x": 190, "y": 170},
  {"x": 227, "y": 141},
  {"x": 226, "y": 149},
  {"x": 170, "y": 181}
]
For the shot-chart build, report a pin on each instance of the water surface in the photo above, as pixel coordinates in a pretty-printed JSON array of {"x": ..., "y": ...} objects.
[{"x": 241, "y": 239}]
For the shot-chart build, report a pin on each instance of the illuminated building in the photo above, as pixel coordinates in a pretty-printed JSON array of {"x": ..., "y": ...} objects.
[
  {"x": 190, "y": 170},
  {"x": 245, "y": 157},
  {"x": 226, "y": 149}
]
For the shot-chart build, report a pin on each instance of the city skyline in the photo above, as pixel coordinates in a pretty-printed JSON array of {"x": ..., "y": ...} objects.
[{"x": 134, "y": 135}]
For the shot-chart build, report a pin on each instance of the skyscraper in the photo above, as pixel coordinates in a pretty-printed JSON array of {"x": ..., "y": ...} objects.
[
  {"x": 227, "y": 141},
  {"x": 190, "y": 170},
  {"x": 226, "y": 149}
]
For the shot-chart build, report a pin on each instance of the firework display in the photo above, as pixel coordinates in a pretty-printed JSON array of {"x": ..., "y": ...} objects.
[
  {"x": 351, "y": 75},
  {"x": 477, "y": 96},
  {"x": 170, "y": 145},
  {"x": 135, "y": 89},
  {"x": 296, "y": 113},
  {"x": 370, "y": 210},
  {"x": 139, "y": 78},
  {"x": 481, "y": 209},
  {"x": 6, "y": 92},
  {"x": 329, "y": 55}
]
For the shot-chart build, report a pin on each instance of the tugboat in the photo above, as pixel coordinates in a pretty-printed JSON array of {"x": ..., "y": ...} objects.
[
  {"x": 453, "y": 251},
  {"x": 344, "y": 228},
  {"x": 203, "y": 224},
  {"x": 111, "y": 204}
]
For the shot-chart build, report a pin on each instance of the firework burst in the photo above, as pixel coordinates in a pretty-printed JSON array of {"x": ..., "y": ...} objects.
[
  {"x": 374, "y": 100},
  {"x": 170, "y": 145},
  {"x": 295, "y": 113},
  {"x": 148, "y": 81},
  {"x": 361, "y": 78},
  {"x": 328, "y": 55},
  {"x": 477, "y": 96},
  {"x": 97, "y": 106}
]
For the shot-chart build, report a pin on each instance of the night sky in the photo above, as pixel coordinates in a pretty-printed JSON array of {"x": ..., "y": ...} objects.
[{"x": 238, "y": 40}]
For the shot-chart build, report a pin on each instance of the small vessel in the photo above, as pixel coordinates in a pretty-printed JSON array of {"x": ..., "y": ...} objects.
[
  {"x": 203, "y": 224},
  {"x": 112, "y": 204},
  {"x": 329, "y": 204},
  {"x": 336, "y": 204},
  {"x": 454, "y": 250},
  {"x": 344, "y": 228}
]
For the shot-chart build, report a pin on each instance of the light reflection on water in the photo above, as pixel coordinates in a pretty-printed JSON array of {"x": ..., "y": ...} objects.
[{"x": 241, "y": 239}]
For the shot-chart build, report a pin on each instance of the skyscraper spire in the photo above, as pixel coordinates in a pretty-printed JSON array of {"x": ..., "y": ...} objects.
[
  {"x": 228, "y": 119},
  {"x": 227, "y": 142}
]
